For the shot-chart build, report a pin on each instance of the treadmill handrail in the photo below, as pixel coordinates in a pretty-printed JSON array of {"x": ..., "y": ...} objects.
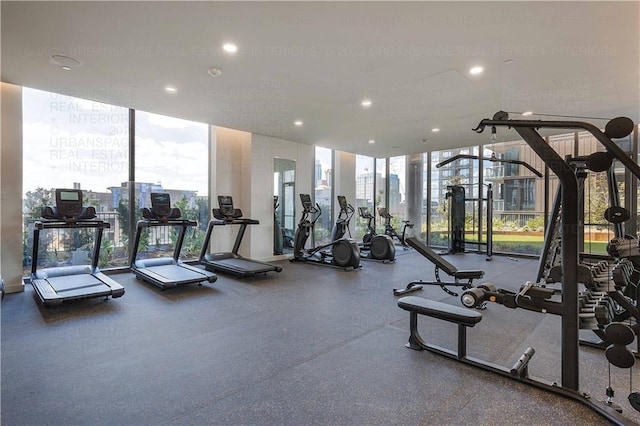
[
  {"x": 61, "y": 224},
  {"x": 145, "y": 223},
  {"x": 236, "y": 222}
]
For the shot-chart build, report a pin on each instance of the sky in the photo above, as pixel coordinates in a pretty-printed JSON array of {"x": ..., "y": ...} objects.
[{"x": 69, "y": 140}]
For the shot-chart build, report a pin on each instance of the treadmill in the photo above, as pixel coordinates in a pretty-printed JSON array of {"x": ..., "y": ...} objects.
[
  {"x": 59, "y": 284},
  {"x": 165, "y": 272},
  {"x": 231, "y": 262}
]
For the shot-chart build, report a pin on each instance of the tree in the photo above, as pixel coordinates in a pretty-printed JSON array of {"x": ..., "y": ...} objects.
[
  {"x": 596, "y": 198},
  {"x": 194, "y": 238},
  {"x": 33, "y": 203},
  {"x": 126, "y": 225},
  {"x": 35, "y": 200}
]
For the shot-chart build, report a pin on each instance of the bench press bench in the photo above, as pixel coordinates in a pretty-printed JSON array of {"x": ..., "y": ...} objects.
[
  {"x": 430, "y": 308},
  {"x": 441, "y": 264}
]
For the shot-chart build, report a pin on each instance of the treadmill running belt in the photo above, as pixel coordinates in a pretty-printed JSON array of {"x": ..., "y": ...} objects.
[
  {"x": 243, "y": 264},
  {"x": 174, "y": 273},
  {"x": 73, "y": 282}
]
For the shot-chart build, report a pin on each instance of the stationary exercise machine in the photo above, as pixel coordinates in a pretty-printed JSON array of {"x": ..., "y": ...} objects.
[
  {"x": 373, "y": 246},
  {"x": 165, "y": 272},
  {"x": 341, "y": 252},
  {"x": 457, "y": 202},
  {"x": 549, "y": 268},
  {"x": 58, "y": 284},
  {"x": 534, "y": 297},
  {"x": 232, "y": 262},
  {"x": 595, "y": 272},
  {"x": 390, "y": 230},
  {"x": 341, "y": 227}
]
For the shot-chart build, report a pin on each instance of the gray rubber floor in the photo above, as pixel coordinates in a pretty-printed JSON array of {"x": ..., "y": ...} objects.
[{"x": 311, "y": 345}]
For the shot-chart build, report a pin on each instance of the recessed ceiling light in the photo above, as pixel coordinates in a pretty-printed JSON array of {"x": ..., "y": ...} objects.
[
  {"x": 66, "y": 68},
  {"x": 171, "y": 89},
  {"x": 508, "y": 61},
  {"x": 435, "y": 130},
  {"x": 66, "y": 62},
  {"x": 527, "y": 113},
  {"x": 371, "y": 141},
  {"x": 298, "y": 123},
  {"x": 366, "y": 103},
  {"x": 230, "y": 48},
  {"x": 214, "y": 72},
  {"x": 476, "y": 70}
]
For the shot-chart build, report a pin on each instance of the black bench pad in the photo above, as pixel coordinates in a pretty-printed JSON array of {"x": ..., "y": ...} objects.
[
  {"x": 441, "y": 262},
  {"x": 466, "y": 274},
  {"x": 440, "y": 310}
]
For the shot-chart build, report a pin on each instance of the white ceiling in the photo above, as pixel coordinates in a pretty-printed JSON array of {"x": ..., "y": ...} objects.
[{"x": 316, "y": 61}]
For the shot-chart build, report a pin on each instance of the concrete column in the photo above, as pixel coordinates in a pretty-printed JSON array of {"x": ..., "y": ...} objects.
[{"x": 11, "y": 187}]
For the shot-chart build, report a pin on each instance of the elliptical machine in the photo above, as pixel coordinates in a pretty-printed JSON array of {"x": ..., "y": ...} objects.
[
  {"x": 341, "y": 252},
  {"x": 374, "y": 246},
  {"x": 390, "y": 231}
]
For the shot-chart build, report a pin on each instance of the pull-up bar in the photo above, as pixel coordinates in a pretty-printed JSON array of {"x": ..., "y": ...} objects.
[
  {"x": 492, "y": 158},
  {"x": 616, "y": 128}
]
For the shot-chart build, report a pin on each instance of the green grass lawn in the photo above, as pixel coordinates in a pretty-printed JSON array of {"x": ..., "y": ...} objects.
[{"x": 532, "y": 244}]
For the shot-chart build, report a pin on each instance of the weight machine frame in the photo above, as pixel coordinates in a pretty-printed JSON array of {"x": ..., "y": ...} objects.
[
  {"x": 456, "y": 239},
  {"x": 568, "y": 307}
]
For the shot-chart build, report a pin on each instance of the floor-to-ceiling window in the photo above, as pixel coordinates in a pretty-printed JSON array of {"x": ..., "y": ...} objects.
[
  {"x": 73, "y": 143},
  {"x": 381, "y": 192},
  {"x": 365, "y": 196},
  {"x": 323, "y": 193},
  {"x": 396, "y": 187},
  {"x": 601, "y": 191},
  {"x": 438, "y": 221},
  {"x": 518, "y": 204},
  {"x": 77, "y": 143},
  {"x": 172, "y": 157}
]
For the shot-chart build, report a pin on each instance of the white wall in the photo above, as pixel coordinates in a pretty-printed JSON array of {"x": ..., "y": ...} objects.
[
  {"x": 11, "y": 187},
  {"x": 264, "y": 150},
  {"x": 242, "y": 166},
  {"x": 231, "y": 175}
]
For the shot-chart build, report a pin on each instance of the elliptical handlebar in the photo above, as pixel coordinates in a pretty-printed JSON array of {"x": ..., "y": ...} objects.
[{"x": 308, "y": 208}]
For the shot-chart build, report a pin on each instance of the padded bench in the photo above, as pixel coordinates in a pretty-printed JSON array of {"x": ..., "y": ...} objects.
[
  {"x": 430, "y": 308},
  {"x": 441, "y": 264}
]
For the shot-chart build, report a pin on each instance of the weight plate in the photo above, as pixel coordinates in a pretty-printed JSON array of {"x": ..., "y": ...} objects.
[
  {"x": 616, "y": 214},
  {"x": 619, "y": 333},
  {"x": 620, "y": 356},
  {"x": 599, "y": 161},
  {"x": 619, "y": 127}
]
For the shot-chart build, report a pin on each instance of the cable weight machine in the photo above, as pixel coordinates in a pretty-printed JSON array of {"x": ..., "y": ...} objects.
[
  {"x": 535, "y": 297},
  {"x": 457, "y": 202}
]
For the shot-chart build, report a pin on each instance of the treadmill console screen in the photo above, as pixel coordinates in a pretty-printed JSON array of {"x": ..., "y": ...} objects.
[
  {"x": 306, "y": 201},
  {"x": 69, "y": 202},
  {"x": 160, "y": 204}
]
